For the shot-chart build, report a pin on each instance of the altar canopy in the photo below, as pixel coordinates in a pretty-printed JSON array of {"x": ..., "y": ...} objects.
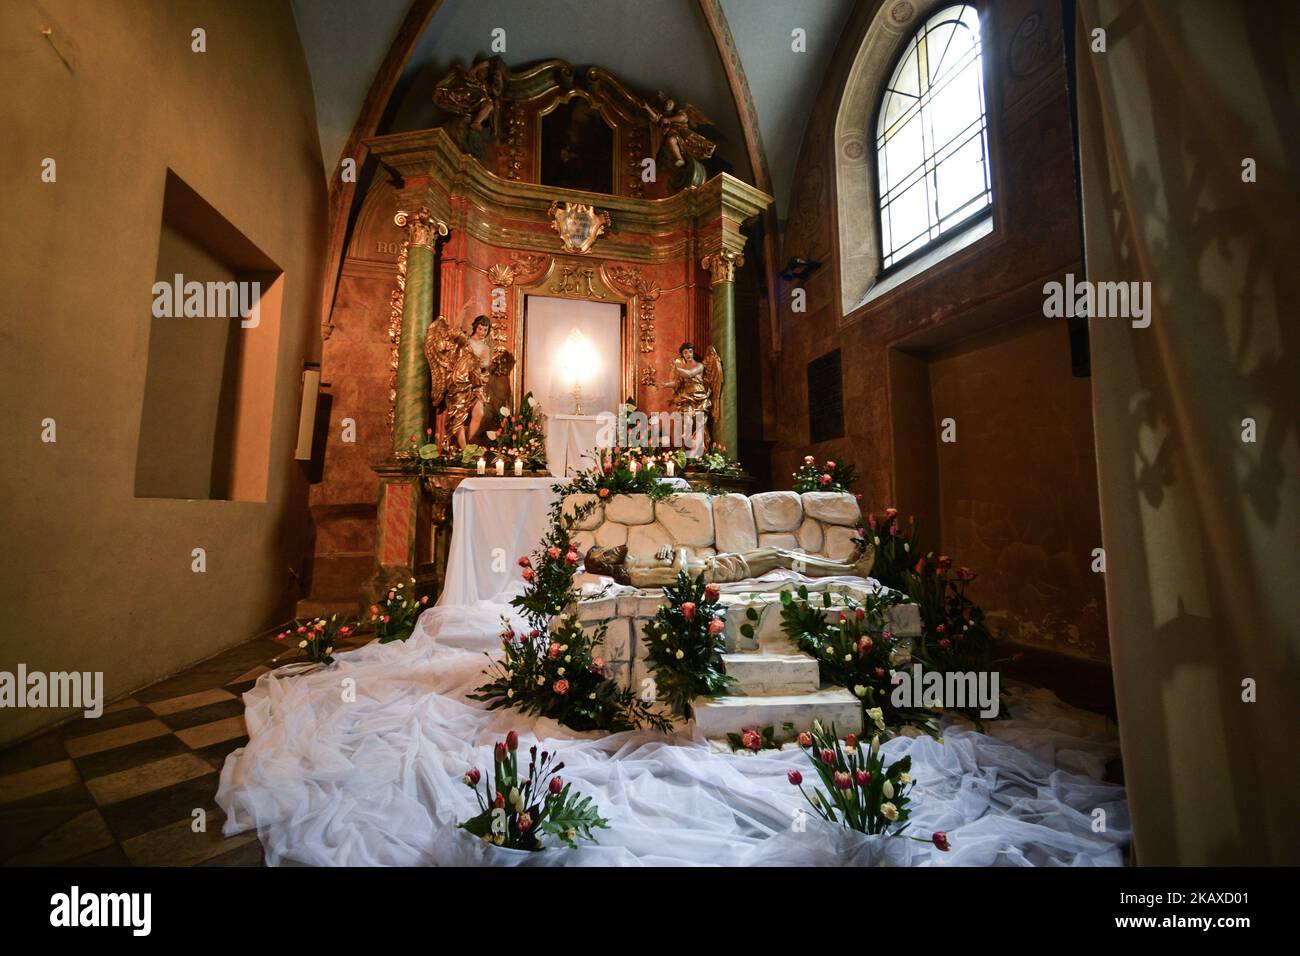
[{"x": 377, "y": 781}]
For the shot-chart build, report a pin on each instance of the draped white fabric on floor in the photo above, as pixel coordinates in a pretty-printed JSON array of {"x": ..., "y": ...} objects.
[{"x": 378, "y": 781}]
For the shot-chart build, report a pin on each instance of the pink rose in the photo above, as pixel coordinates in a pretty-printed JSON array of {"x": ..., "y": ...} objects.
[
  {"x": 826, "y": 479},
  {"x": 528, "y": 574},
  {"x": 716, "y": 626},
  {"x": 805, "y": 739},
  {"x": 711, "y": 591},
  {"x": 553, "y": 552},
  {"x": 751, "y": 740},
  {"x": 830, "y": 464},
  {"x": 571, "y": 557},
  {"x": 688, "y": 610},
  {"x": 808, "y": 459},
  {"x": 554, "y": 651},
  {"x": 597, "y": 665},
  {"x": 561, "y": 687},
  {"x": 603, "y": 493}
]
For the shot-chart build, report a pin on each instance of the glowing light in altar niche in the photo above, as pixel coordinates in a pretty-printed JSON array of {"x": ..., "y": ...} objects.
[{"x": 577, "y": 362}]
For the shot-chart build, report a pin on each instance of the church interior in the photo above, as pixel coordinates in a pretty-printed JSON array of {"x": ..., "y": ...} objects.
[{"x": 726, "y": 432}]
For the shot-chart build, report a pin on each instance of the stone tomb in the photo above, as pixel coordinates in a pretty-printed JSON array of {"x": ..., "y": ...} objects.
[{"x": 775, "y": 683}]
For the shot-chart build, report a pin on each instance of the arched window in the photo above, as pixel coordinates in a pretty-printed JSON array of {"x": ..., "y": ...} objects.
[{"x": 932, "y": 153}]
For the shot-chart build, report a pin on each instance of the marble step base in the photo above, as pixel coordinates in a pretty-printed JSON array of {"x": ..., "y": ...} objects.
[
  {"x": 768, "y": 674},
  {"x": 718, "y": 716}
]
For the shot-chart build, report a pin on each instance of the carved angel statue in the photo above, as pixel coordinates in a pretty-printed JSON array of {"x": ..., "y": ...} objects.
[
  {"x": 697, "y": 393},
  {"x": 676, "y": 127},
  {"x": 467, "y": 377},
  {"x": 474, "y": 92}
]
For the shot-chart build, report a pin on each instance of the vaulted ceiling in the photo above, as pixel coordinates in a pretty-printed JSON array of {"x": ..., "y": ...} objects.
[{"x": 665, "y": 44}]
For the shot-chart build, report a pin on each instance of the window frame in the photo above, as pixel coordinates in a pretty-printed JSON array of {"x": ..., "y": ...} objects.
[{"x": 900, "y": 264}]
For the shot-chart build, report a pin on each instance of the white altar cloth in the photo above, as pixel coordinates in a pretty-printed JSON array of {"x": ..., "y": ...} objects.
[
  {"x": 493, "y": 522},
  {"x": 569, "y": 440}
]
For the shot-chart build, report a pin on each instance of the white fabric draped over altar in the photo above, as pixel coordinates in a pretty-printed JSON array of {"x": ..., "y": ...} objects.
[
  {"x": 571, "y": 440},
  {"x": 377, "y": 780},
  {"x": 494, "y": 521}
]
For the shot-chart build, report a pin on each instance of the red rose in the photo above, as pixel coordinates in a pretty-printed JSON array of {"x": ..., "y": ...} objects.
[
  {"x": 941, "y": 629},
  {"x": 524, "y": 562},
  {"x": 555, "y": 786},
  {"x": 864, "y": 645},
  {"x": 512, "y": 741},
  {"x": 940, "y": 840},
  {"x": 528, "y": 574},
  {"x": 561, "y": 687},
  {"x": 716, "y": 626},
  {"x": 805, "y": 739},
  {"x": 553, "y": 651},
  {"x": 711, "y": 591},
  {"x": 688, "y": 610},
  {"x": 751, "y": 740},
  {"x": 571, "y": 557},
  {"x": 795, "y": 777},
  {"x": 945, "y": 643},
  {"x": 603, "y": 493}
]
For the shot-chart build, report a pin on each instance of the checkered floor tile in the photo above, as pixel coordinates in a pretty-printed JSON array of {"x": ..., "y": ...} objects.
[{"x": 136, "y": 786}]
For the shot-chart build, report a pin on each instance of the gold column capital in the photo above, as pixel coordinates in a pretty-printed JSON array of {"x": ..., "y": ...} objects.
[
  {"x": 722, "y": 265},
  {"x": 421, "y": 228}
]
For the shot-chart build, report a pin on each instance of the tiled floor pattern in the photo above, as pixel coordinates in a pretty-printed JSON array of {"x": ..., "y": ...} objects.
[{"x": 123, "y": 789}]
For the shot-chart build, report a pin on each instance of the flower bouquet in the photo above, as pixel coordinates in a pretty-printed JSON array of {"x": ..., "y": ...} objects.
[
  {"x": 392, "y": 618},
  {"x": 684, "y": 643},
  {"x": 517, "y": 812},
  {"x": 317, "y": 636},
  {"x": 522, "y": 434},
  {"x": 832, "y": 476},
  {"x": 628, "y": 471},
  {"x": 858, "y": 791}
]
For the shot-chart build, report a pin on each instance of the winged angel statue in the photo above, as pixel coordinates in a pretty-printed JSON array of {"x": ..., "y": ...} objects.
[
  {"x": 697, "y": 393},
  {"x": 676, "y": 128},
  {"x": 469, "y": 378}
]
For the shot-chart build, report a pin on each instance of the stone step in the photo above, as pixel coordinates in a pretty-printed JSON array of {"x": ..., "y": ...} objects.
[
  {"x": 766, "y": 675},
  {"x": 718, "y": 716}
]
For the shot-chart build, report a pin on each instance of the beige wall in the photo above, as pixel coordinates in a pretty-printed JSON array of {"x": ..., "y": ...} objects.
[{"x": 95, "y": 579}]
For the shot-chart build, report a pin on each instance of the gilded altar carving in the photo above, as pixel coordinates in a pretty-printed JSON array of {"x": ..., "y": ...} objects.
[
  {"x": 522, "y": 266},
  {"x": 697, "y": 390},
  {"x": 421, "y": 228},
  {"x": 396, "y": 299},
  {"x": 474, "y": 92},
  {"x": 579, "y": 224},
  {"x": 575, "y": 281},
  {"x": 722, "y": 265},
  {"x": 674, "y": 127},
  {"x": 469, "y": 378},
  {"x": 632, "y": 281}
]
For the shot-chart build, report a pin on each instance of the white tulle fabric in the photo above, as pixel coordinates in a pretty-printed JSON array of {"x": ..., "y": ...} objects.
[{"x": 377, "y": 781}]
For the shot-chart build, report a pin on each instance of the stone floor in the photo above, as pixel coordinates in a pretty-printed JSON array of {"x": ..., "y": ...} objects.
[{"x": 122, "y": 789}]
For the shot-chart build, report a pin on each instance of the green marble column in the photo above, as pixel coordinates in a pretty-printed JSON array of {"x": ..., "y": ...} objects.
[
  {"x": 411, "y": 407},
  {"x": 722, "y": 334}
]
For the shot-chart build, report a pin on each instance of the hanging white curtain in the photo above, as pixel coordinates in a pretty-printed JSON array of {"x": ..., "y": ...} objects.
[{"x": 1201, "y": 524}]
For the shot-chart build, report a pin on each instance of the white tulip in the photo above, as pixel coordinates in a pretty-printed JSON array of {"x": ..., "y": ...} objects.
[
  {"x": 859, "y": 690},
  {"x": 888, "y": 790},
  {"x": 875, "y": 746}
]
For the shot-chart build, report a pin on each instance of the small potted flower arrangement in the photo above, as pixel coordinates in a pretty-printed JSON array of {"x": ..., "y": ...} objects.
[
  {"x": 393, "y": 616},
  {"x": 858, "y": 790},
  {"x": 316, "y": 637},
  {"x": 521, "y": 435},
  {"x": 519, "y": 812}
]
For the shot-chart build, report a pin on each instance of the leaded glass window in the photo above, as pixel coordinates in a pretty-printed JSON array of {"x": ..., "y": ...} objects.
[{"x": 932, "y": 153}]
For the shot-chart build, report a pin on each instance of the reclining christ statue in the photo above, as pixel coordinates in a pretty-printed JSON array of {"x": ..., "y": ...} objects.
[{"x": 661, "y": 568}]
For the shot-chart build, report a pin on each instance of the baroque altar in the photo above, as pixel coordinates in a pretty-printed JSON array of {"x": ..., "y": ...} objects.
[{"x": 538, "y": 188}]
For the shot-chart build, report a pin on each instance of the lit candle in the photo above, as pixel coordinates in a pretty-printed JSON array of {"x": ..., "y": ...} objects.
[
  {"x": 501, "y": 466},
  {"x": 672, "y": 467},
  {"x": 482, "y": 466},
  {"x": 519, "y": 467}
]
